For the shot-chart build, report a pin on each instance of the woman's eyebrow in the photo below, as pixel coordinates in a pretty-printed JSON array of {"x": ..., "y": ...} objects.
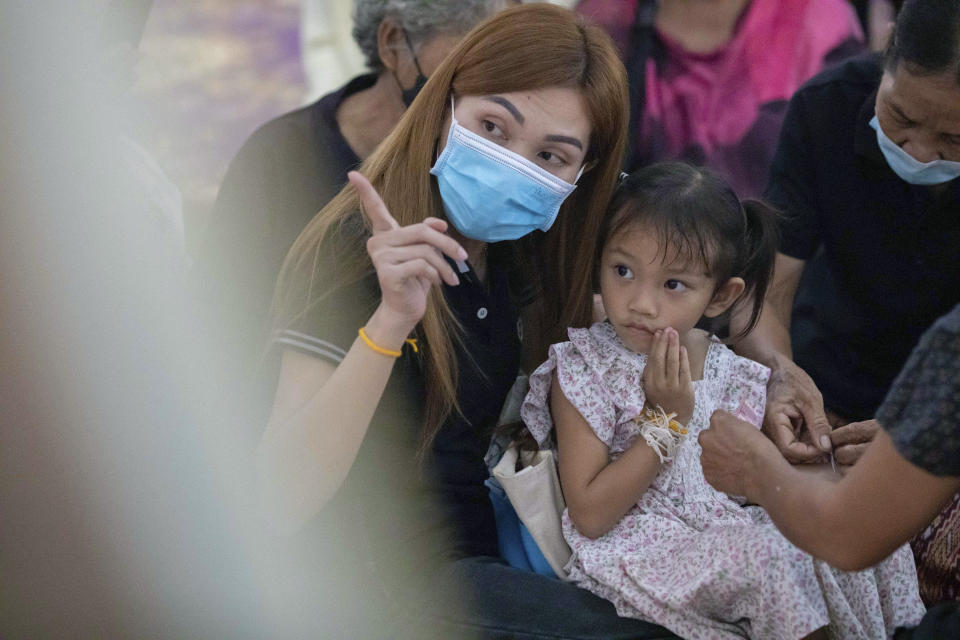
[
  {"x": 509, "y": 106},
  {"x": 566, "y": 140},
  {"x": 506, "y": 104}
]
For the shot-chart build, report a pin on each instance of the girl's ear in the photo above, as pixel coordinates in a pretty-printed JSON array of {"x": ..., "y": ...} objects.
[{"x": 725, "y": 295}]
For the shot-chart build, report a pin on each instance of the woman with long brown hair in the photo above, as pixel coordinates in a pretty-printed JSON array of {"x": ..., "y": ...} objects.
[{"x": 403, "y": 312}]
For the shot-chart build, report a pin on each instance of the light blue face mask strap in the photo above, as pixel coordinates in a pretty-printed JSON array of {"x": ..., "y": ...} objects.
[
  {"x": 462, "y": 265},
  {"x": 453, "y": 121}
]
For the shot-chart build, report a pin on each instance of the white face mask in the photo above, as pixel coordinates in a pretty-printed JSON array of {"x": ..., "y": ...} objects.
[{"x": 909, "y": 168}]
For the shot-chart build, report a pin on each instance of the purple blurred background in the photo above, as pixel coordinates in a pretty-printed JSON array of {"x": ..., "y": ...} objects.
[{"x": 210, "y": 72}]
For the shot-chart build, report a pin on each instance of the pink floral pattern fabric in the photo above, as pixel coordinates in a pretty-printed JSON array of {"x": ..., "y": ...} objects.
[{"x": 687, "y": 557}]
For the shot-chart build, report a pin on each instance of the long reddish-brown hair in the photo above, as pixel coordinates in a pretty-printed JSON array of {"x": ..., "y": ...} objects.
[{"x": 523, "y": 48}]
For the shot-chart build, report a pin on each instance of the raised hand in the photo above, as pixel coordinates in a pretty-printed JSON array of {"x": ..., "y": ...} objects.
[
  {"x": 408, "y": 260},
  {"x": 666, "y": 378},
  {"x": 795, "y": 419}
]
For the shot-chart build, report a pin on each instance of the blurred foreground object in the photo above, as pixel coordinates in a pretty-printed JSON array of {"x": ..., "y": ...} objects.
[{"x": 118, "y": 508}]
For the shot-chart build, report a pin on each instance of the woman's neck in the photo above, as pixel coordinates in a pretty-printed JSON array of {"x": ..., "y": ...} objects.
[
  {"x": 366, "y": 117},
  {"x": 700, "y": 26}
]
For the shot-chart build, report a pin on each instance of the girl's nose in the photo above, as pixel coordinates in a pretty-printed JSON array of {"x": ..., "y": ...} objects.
[{"x": 644, "y": 302}]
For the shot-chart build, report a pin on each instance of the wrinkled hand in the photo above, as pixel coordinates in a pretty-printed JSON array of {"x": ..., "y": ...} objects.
[
  {"x": 851, "y": 440},
  {"x": 666, "y": 378},
  {"x": 408, "y": 260},
  {"x": 794, "y": 419},
  {"x": 730, "y": 448}
]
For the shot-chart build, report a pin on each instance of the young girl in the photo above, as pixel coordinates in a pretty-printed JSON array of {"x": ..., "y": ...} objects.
[{"x": 628, "y": 398}]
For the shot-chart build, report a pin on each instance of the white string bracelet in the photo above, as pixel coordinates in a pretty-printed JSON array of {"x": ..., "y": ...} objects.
[{"x": 661, "y": 431}]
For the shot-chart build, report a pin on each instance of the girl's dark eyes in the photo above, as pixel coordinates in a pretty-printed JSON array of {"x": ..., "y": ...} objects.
[
  {"x": 675, "y": 285},
  {"x": 623, "y": 271}
]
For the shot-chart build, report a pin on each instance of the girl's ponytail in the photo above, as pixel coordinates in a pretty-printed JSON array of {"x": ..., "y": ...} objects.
[
  {"x": 697, "y": 210},
  {"x": 757, "y": 257}
]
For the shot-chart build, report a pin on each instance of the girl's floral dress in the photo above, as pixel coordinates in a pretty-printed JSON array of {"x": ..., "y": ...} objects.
[{"x": 687, "y": 557}]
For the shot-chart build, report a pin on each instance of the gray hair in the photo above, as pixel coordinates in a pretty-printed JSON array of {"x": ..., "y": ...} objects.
[{"x": 422, "y": 20}]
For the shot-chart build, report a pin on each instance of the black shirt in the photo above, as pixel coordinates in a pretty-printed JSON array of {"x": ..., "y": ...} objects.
[
  {"x": 411, "y": 515},
  {"x": 282, "y": 176},
  {"x": 882, "y": 254}
]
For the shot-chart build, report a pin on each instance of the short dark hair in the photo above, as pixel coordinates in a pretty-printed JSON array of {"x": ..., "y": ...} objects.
[
  {"x": 926, "y": 37},
  {"x": 697, "y": 211}
]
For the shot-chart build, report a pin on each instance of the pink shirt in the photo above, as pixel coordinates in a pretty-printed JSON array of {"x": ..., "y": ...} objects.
[{"x": 725, "y": 108}]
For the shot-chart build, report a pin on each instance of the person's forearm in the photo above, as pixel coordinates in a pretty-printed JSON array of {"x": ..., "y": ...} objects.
[
  {"x": 307, "y": 452},
  {"x": 855, "y": 522},
  {"x": 768, "y": 342},
  {"x": 799, "y": 505},
  {"x": 818, "y": 516},
  {"x": 614, "y": 490}
]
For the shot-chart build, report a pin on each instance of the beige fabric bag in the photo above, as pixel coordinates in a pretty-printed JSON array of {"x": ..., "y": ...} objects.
[{"x": 535, "y": 494}]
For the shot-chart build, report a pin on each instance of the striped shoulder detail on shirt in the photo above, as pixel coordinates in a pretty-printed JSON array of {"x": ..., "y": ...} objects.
[{"x": 310, "y": 344}]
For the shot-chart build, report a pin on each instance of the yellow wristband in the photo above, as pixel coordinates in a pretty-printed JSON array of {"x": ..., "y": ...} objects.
[{"x": 386, "y": 352}]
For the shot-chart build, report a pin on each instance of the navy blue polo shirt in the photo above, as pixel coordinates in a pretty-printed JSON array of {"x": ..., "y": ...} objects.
[
  {"x": 882, "y": 254},
  {"x": 407, "y": 514}
]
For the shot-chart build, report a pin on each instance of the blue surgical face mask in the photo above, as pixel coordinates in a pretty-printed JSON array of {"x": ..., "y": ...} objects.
[
  {"x": 911, "y": 169},
  {"x": 492, "y": 194}
]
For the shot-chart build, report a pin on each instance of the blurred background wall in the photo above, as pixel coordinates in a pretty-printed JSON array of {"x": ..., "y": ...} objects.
[{"x": 212, "y": 71}]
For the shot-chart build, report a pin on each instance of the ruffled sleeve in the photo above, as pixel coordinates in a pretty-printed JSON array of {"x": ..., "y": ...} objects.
[
  {"x": 581, "y": 384},
  {"x": 744, "y": 391}
]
